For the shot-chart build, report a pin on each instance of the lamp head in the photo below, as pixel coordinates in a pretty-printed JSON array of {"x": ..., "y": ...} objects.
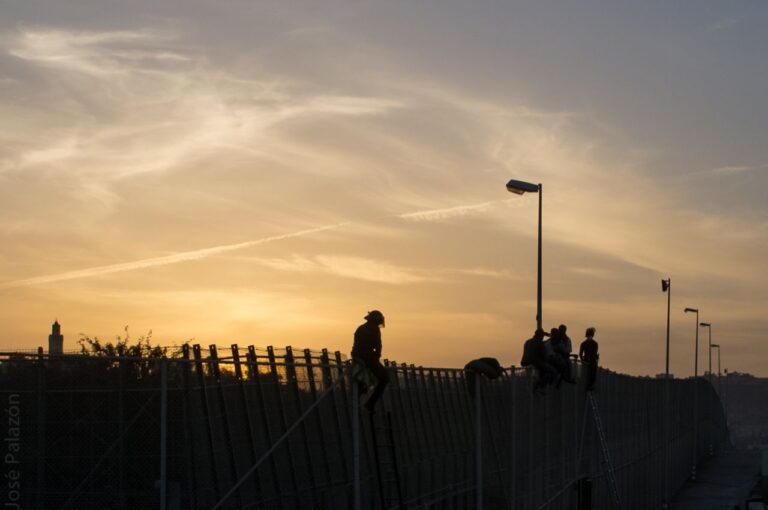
[
  {"x": 665, "y": 285},
  {"x": 715, "y": 346},
  {"x": 694, "y": 310},
  {"x": 520, "y": 187},
  {"x": 705, "y": 324}
]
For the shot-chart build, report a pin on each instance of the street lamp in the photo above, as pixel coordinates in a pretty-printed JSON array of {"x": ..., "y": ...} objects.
[
  {"x": 719, "y": 388},
  {"x": 666, "y": 286},
  {"x": 695, "y": 394},
  {"x": 519, "y": 188},
  {"x": 709, "y": 327}
]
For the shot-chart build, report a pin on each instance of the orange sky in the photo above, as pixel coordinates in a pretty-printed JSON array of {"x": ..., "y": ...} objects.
[{"x": 254, "y": 173}]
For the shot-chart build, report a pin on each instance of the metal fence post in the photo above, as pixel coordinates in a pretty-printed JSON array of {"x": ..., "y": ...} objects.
[
  {"x": 208, "y": 423},
  {"x": 41, "y": 420},
  {"x": 224, "y": 412},
  {"x": 292, "y": 383},
  {"x": 531, "y": 446},
  {"x": 453, "y": 438},
  {"x": 163, "y": 432},
  {"x": 356, "y": 445},
  {"x": 248, "y": 419},
  {"x": 325, "y": 364},
  {"x": 695, "y": 459},
  {"x": 513, "y": 438},
  {"x": 283, "y": 421},
  {"x": 478, "y": 444},
  {"x": 189, "y": 442},
  {"x": 320, "y": 430},
  {"x": 255, "y": 375}
]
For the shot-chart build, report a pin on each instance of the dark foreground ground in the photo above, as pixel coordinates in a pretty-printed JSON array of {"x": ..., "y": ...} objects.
[{"x": 722, "y": 482}]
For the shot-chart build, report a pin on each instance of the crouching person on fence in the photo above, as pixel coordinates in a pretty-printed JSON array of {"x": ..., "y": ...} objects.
[
  {"x": 367, "y": 369},
  {"x": 488, "y": 367}
]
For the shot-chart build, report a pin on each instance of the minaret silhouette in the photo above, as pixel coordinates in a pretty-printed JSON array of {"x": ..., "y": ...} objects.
[{"x": 55, "y": 340}]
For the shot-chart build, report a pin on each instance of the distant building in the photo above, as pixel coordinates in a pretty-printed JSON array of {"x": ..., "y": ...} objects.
[{"x": 55, "y": 340}]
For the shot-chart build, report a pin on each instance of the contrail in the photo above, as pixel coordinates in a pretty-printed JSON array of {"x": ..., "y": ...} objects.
[
  {"x": 161, "y": 261},
  {"x": 442, "y": 214},
  {"x": 425, "y": 215}
]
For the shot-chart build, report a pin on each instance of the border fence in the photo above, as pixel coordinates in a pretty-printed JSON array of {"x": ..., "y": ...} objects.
[{"x": 248, "y": 428}]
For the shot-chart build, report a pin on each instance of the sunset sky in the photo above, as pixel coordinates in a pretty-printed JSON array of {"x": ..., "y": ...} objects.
[{"x": 265, "y": 173}]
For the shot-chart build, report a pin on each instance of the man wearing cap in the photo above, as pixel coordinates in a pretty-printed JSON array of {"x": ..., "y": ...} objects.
[{"x": 367, "y": 348}]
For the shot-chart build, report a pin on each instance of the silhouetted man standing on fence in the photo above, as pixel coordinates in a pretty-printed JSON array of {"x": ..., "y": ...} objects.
[
  {"x": 367, "y": 349},
  {"x": 589, "y": 356}
]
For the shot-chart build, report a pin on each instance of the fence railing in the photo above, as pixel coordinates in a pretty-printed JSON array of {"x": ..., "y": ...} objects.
[{"x": 184, "y": 431}]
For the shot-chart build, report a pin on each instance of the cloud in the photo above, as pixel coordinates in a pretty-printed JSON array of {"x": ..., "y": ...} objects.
[
  {"x": 486, "y": 272},
  {"x": 724, "y": 24},
  {"x": 98, "y": 54},
  {"x": 126, "y": 103},
  {"x": 161, "y": 261},
  {"x": 359, "y": 268},
  {"x": 737, "y": 169}
]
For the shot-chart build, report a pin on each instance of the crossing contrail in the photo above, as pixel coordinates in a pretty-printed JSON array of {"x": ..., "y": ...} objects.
[{"x": 161, "y": 261}]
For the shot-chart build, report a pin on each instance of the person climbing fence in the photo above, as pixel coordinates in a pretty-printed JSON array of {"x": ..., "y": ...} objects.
[
  {"x": 488, "y": 367},
  {"x": 366, "y": 356}
]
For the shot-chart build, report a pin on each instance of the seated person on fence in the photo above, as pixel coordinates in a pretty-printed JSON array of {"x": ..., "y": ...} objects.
[
  {"x": 559, "y": 355},
  {"x": 489, "y": 367},
  {"x": 366, "y": 350},
  {"x": 535, "y": 355}
]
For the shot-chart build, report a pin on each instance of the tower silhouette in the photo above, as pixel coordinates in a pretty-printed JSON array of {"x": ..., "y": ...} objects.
[{"x": 55, "y": 340}]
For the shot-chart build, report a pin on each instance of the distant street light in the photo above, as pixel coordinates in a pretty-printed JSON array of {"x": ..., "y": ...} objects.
[
  {"x": 709, "y": 327},
  {"x": 519, "y": 188},
  {"x": 719, "y": 388},
  {"x": 666, "y": 286},
  {"x": 727, "y": 396},
  {"x": 695, "y": 394}
]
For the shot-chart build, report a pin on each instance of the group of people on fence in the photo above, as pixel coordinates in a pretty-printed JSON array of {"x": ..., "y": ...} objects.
[{"x": 551, "y": 357}]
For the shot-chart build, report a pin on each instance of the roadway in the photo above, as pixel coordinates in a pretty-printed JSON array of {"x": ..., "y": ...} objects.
[{"x": 722, "y": 482}]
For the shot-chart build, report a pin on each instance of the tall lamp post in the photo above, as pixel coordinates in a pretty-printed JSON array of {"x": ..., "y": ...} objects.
[
  {"x": 520, "y": 188},
  {"x": 719, "y": 387},
  {"x": 666, "y": 286},
  {"x": 695, "y": 394},
  {"x": 709, "y": 327}
]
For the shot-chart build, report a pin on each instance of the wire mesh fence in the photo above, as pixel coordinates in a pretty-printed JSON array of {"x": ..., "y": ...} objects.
[{"x": 184, "y": 431}]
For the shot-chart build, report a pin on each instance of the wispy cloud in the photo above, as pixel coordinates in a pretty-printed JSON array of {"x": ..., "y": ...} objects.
[
  {"x": 737, "y": 169},
  {"x": 146, "y": 91},
  {"x": 359, "y": 268},
  {"x": 161, "y": 261},
  {"x": 724, "y": 24},
  {"x": 95, "y": 53},
  {"x": 486, "y": 272}
]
